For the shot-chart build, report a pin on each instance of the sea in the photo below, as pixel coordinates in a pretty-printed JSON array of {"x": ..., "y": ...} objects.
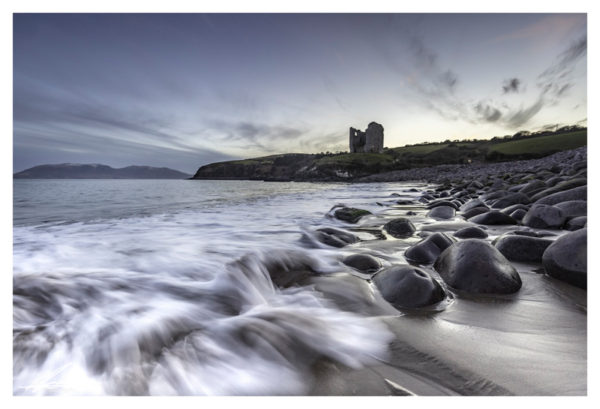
[{"x": 136, "y": 286}]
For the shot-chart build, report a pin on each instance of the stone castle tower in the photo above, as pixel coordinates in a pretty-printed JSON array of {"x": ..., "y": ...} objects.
[{"x": 370, "y": 141}]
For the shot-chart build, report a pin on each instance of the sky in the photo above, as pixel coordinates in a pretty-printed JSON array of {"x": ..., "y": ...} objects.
[{"x": 185, "y": 90}]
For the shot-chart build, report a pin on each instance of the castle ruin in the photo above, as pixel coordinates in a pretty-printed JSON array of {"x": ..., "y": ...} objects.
[{"x": 370, "y": 141}]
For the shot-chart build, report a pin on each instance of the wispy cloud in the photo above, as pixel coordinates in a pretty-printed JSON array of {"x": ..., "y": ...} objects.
[{"x": 511, "y": 85}]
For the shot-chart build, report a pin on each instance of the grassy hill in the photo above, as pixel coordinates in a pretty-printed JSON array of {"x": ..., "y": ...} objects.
[{"x": 346, "y": 166}]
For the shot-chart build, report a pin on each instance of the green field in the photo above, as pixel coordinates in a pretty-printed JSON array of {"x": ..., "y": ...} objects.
[
  {"x": 420, "y": 149},
  {"x": 542, "y": 144}
]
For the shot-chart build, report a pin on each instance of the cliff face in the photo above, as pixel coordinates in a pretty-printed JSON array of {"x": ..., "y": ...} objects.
[{"x": 97, "y": 171}]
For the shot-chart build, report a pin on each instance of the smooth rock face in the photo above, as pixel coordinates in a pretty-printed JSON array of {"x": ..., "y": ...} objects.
[
  {"x": 471, "y": 204},
  {"x": 427, "y": 251},
  {"x": 573, "y": 208},
  {"x": 363, "y": 262},
  {"x": 493, "y": 217},
  {"x": 511, "y": 209},
  {"x": 350, "y": 214},
  {"x": 475, "y": 266},
  {"x": 518, "y": 214},
  {"x": 442, "y": 212},
  {"x": 467, "y": 214},
  {"x": 566, "y": 258},
  {"x": 522, "y": 248},
  {"x": 406, "y": 286},
  {"x": 515, "y": 198},
  {"x": 471, "y": 233},
  {"x": 562, "y": 186},
  {"x": 399, "y": 228},
  {"x": 576, "y": 223},
  {"x": 544, "y": 217},
  {"x": 442, "y": 203},
  {"x": 335, "y": 237},
  {"x": 578, "y": 193}
]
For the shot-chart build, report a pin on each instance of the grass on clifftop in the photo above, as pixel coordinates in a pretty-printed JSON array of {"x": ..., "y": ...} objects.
[{"x": 542, "y": 144}]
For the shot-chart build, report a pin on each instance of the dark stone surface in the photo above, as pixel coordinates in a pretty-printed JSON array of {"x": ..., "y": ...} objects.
[
  {"x": 511, "y": 209},
  {"x": 471, "y": 204},
  {"x": 400, "y": 228},
  {"x": 493, "y": 217},
  {"x": 509, "y": 200},
  {"x": 518, "y": 214},
  {"x": 544, "y": 217},
  {"x": 335, "y": 237},
  {"x": 573, "y": 208},
  {"x": 471, "y": 233},
  {"x": 566, "y": 258},
  {"x": 576, "y": 223},
  {"x": 560, "y": 187},
  {"x": 350, "y": 214},
  {"x": 427, "y": 251},
  {"x": 475, "y": 266},
  {"x": 442, "y": 212},
  {"x": 467, "y": 214},
  {"x": 578, "y": 193},
  {"x": 522, "y": 248},
  {"x": 406, "y": 286},
  {"x": 363, "y": 262},
  {"x": 442, "y": 203}
]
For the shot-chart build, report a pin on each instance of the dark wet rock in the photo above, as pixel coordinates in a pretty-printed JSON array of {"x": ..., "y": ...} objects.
[
  {"x": 510, "y": 209},
  {"x": 542, "y": 216},
  {"x": 335, "y": 237},
  {"x": 475, "y": 266},
  {"x": 399, "y": 228},
  {"x": 510, "y": 200},
  {"x": 405, "y": 202},
  {"x": 576, "y": 223},
  {"x": 566, "y": 258},
  {"x": 518, "y": 214},
  {"x": 495, "y": 195},
  {"x": 442, "y": 203},
  {"x": 522, "y": 248},
  {"x": 363, "y": 262},
  {"x": 350, "y": 214},
  {"x": 475, "y": 211},
  {"x": 406, "y": 286},
  {"x": 493, "y": 217},
  {"x": 573, "y": 208},
  {"x": 427, "y": 251},
  {"x": 560, "y": 187},
  {"x": 442, "y": 212},
  {"x": 578, "y": 193},
  {"x": 533, "y": 185},
  {"x": 411, "y": 213},
  {"x": 471, "y": 233},
  {"x": 445, "y": 226},
  {"x": 471, "y": 204},
  {"x": 554, "y": 180}
]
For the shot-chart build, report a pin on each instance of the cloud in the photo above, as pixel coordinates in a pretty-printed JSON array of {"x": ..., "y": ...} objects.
[
  {"x": 511, "y": 85},
  {"x": 487, "y": 112},
  {"x": 523, "y": 115}
]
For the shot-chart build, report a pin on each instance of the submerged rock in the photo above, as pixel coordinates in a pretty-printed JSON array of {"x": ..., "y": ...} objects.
[
  {"x": 363, "y": 262},
  {"x": 400, "y": 228},
  {"x": 406, "y": 286},
  {"x": 566, "y": 258},
  {"x": 522, "y": 248},
  {"x": 427, "y": 250},
  {"x": 335, "y": 237},
  {"x": 475, "y": 266},
  {"x": 471, "y": 233},
  {"x": 350, "y": 214}
]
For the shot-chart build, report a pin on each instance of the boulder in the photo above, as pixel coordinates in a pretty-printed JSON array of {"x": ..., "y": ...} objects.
[
  {"x": 471, "y": 204},
  {"x": 335, "y": 237},
  {"x": 578, "y": 193},
  {"x": 560, "y": 187},
  {"x": 442, "y": 203},
  {"x": 522, "y": 248},
  {"x": 542, "y": 216},
  {"x": 442, "y": 212},
  {"x": 350, "y": 214},
  {"x": 427, "y": 250},
  {"x": 467, "y": 214},
  {"x": 533, "y": 185},
  {"x": 573, "y": 208},
  {"x": 406, "y": 286},
  {"x": 510, "y": 209},
  {"x": 399, "y": 228},
  {"x": 493, "y": 217},
  {"x": 509, "y": 200},
  {"x": 566, "y": 258},
  {"x": 475, "y": 266},
  {"x": 363, "y": 262},
  {"x": 518, "y": 214},
  {"x": 576, "y": 223},
  {"x": 471, "y": 233}
]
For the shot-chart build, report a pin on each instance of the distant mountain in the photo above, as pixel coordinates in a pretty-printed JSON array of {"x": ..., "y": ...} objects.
[{"x": 97, "y": 171}]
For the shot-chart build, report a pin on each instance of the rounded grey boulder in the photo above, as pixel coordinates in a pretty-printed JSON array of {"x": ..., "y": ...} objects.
[
  {"x": 406, "y": 286},
  {"x": 471, "y": 233},
  {"x": 335, "y": 237},
  {"x": 543, "y": 216},
  {"x": 399, "y": 228},
  {"x": 350, "y": 214},
  {"x": 522, "y": 248},
  {"x": 573, "y": 208},
  {"x": 566, "y": 258},
  {"x": 363, "y": 262},
  {"x": 509, "y": 200},
  {"x": 427, "y": 250},
  {"x": 475, "y": 266},
  {"x": 576, "y": 223},
  {"x": 493, "y": 217},
  {"x": 442, "y": 212}
]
